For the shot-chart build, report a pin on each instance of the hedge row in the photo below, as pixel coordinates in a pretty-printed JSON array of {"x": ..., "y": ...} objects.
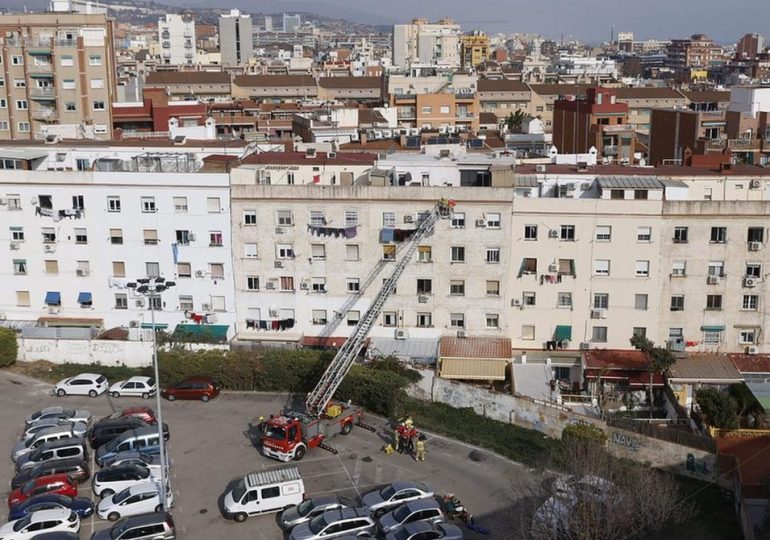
[{"x": 9, "y": 347}]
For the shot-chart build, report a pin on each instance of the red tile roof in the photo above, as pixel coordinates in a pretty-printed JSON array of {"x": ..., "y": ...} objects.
[
  {"x": 300, "y": 158},
  {"x": 704, "y": 366},
  {"x": 187, "y": 77},
  {"x": 753, "y": 457},
  {"x": 615, "y": 359},
  {"x": 274, "y": 80},
  {"x": 501, "y": 85},
  {"x": 475, "y": 347},
  {"x": 751, "y": 363},
  {"x": 350, "y": 82}
]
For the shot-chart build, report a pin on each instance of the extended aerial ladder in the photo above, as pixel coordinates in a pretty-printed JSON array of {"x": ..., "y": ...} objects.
[{"x": 319, "y": 398}]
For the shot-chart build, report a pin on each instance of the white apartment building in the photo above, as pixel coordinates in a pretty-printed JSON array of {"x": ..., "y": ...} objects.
[
  {"x": 300, "y": 168},
  {"x": 73, "y": 240},
  {"x": 176, "y": 35},
  {"x": 235, "y": 38},
  {"x": 429, "y": 44}
]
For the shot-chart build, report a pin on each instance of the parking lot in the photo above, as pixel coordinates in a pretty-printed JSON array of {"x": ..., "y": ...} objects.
[{"x": 210, "y": 447}]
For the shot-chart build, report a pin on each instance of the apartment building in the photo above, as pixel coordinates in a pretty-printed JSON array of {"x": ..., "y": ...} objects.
[
  {"x": 235, "y": 38},
  {"x": 690, "y": 58},
  {"x": 275, "y": 88},
  {"x": 303, "y": 168},
  {"x": 427, "y": 44},
  {"x": 747, "y": 129},
  {"x": 57, "y": 75},
  {"x": 504, "y": 96},
  {"x": 474, "y": 49},
  {"x": 182, "y": 85},
  {"x": 176, "y": 35}
]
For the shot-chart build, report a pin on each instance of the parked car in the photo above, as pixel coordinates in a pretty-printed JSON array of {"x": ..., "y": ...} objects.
[
  {"x": 56, "y": 483},
  {"x": 71, "y": 415},
  {"x": 42, "y": 437},
  {"x": 114, "y": 479},
  {"x": 85, "y": 384},
  {"x": 144, "y": 438},
  {"x": 105, "y": 430},
  {"x": 335, "y": 523},
  {"x": 82, "y": 506},
  {"x": 140, "y": 498},
  {"x": 28, "y": 527},
  {"x": 145, "y": 413},
  {"x": 420, "y": 510},
  {"x": 381, "y": 500},
  {"x": 80, "y": 428},
  {"x": 61, "y": 449},
  {"x": 76, "y": 468},
  {"x": 422, "y": 530},
  {"x": 202, "y": 388},
  {"x": 61, "y": 535},
  {"x": 138, "y": 386},
  {"x": 134, "y": 457},
  {"x": 310, "y": 508},
  {"x": 262, "y": 492},
  {"x": 157, "y": 526}
]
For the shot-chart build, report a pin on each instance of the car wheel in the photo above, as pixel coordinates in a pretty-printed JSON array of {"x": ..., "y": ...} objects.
[
  {"x": 92, "y": 393},
  {"x": 300, "y": 453},
  {"x": 204, "y": 398},
  {"x": 61, "y": 392},
  {"x": 240, "y": 517},
  {"x": 347, "y": 428},
  {"x": 159, "y": 508},
  {"x": 145, "y": 396},
  {"x": 106, "y": 493},
  {"x": 113, "y": 516},
  {"x": 171, "y": 397},
  {"x": 115, "y": 394}
]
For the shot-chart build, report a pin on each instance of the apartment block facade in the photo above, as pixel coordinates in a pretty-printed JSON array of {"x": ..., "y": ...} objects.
[
  {"x": 57, "y": 76},
  {"x": 176, "y": 35},
  {"x": 427, "y": 44},
  {"x": 235, "y": 38}
]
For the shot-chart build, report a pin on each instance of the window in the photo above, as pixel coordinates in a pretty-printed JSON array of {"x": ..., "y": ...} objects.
[
  {"x": 51, "y": 267},
  {"x": 94, "y": 60},
  {"x": 457, "y": 287},
  {"x": 155, "y": 303},
  {"x": 97, "y": 83},
  {"x": 250, "y": 217},
  {"x": 67, "y": 84},
  {"x": 351, "y": 218},
  {"x": 23, "y": 126},
  {"x": 84, "y": 268},
  {"x": 603, "y": 233},
  {"x": 714, "y": 302},
  {"x": 284, "y": 218},
  {"x": 183, "y": 270},
  {"x": 81, "y": 236},
  {"x": 351, "y": 252},
  {"x": 492, "y": 320},
  {"x": 17, "y": 234},
  {"x": 353, "y": 317},
  {"x": 388, "y": 253},
  {"x": 679, "y": 268},
  {"x": 680, "y": 235},
  {"x": 601, "y": 301},
  {"x": 17, "y": 60},
  {"x": 250, "y": 251},
  {"x": 318, "y": 252},
  {"x": 118, "y": 269},
  {"x": 753, "y": 270},
  {"x": 49, "y": 235},
  {"x": 567, "y": 233},
  {"x": 527, "y": 332},
  {"x": 712, "y": 337},
  {"x": 389, "y": 318},
  {"x": 528, "y": 266},
  {"x": 20, "y": 267},
  {"x": 424, "y": 254},
  {"x": 528, "y": 298},
  {"x": 22, "y": 105},
  {"x": 45, "y": 201},
  {"x": 640, "y": 194},
  {"x": 639, "y": 331},
  {"x": 353, "y": 285},
  {"x": 444, "y": 109},
  {"x": 427, "y": 109},
  {"x": 642, "y": 268},
  {"x": 252, "y": 283},
  {"x": 424, "y": 320},
  {"x": 750, "y": 302},
  {"x": 14, "y": 202},
  {"x": 599, "y": 334},
  {"x": 644, "y": 234},
  {"x": 22, "y": 299},
  {"x": 284, "y": 251},
  {"x": 601, "y": 267},
  {"x": 756, "y": 234},
  {"x": 677, "y": 302},
  {"x": 116, "y": 236},
  {"x": 716, "y": 268},
  {"x": 747, "y": 336},
  {"x": 151, "y": 237},
  {"x": 98, "y": 105},
  {"x": 180, "y": 204},
  {"x": 458, "y": 220},
  {"x": 4, "y": 126},
  {"x": 424, "y": 286},
  {"x": 389, "y": 220},
  {"x": 217, "y": 270},
  {"x": 286, "y": 283},
  {"x": 493, "y": 288},
  {"x": 640, "y": 302},
  {"x": 319, "y": 317},
  {"x": 530, "y": 232},
  {"x": 564, "y": 300},
  {"x": 186, "y": 303},
  {"x": 121, "y": 301},
  {"x": 317, "y": 219},
  {"x": 113, "y": 204},
  {"x": 148, "y": 204},
  {"x": 457, "y": 254},
  {"x": 213, "y": 205},
  {"x": 493, "y": 255},
  {"x": 457, "y": 320},
  {"x": 19, "y": 83},
  {"x": 493, "y": 220},
  {"x": 718, "y": 235},
  {"x": 567, "y": 267},
  {"x": 152, "y": 269}
]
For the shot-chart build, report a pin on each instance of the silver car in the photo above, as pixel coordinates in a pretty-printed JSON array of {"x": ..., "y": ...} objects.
[
  {"x": 334, "y": 524},
  {"x": 422, "y": 530},
  {"x": 133, "y": 457},
  {"x": 311, "y": 508},
  {"x": 381, "y": 500},
  {"x": 411, "y": 512},
  {"x": 78, "y": 427},
  {"x": 72, "y": 415}
]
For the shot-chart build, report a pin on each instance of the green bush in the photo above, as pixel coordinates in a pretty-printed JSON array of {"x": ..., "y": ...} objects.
[
  {"x": 720, "y": 408},
  {"x": 583, "y": 434},
  {"x": 9, "y": 347}
]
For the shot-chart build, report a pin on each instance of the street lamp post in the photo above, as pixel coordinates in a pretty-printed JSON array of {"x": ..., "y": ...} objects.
[{"x": 151, "y": 288}]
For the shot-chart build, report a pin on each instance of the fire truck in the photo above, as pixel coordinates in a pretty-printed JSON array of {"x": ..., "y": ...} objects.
[{"x": 288, "y": 436}]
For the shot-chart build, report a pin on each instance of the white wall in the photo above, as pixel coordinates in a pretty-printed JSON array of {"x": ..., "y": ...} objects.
[{"x": 107, "y": 353}]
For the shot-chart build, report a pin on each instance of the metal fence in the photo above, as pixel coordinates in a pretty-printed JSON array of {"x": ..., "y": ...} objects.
[
  {"x": 662, "y": 433},
  {"x": 41, "y": 332}
]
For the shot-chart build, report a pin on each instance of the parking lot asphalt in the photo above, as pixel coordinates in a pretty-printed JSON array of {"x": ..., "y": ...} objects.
[{"x": 210, "y": 447}]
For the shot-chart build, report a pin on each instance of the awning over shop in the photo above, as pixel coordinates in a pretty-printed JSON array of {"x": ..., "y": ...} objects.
[
  {"x": 214, "y": 332},
  {"x": 53, "y": 298},
  {"x": 473, "y": 369},
  {"x": 158, "y": 326},
  {"x": 562, "y": 331},
  {"x": 84, "y": 298}
]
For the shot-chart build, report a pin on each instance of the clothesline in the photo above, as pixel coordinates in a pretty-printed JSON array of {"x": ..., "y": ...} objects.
[
  {"x": 396, "y": 235},
  {"x": 347, "y": 232},
  {"x": 282, "y": 324}
]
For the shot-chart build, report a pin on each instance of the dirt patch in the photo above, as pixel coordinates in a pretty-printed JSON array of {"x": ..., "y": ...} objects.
[{"x": 39, "y": 369}]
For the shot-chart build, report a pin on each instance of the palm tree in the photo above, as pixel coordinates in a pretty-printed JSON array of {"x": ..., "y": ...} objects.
[{"x": 515, "y": 120}]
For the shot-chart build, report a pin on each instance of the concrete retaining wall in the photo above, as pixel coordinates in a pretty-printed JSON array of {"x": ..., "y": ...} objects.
[{"x": 107, "y": 353}]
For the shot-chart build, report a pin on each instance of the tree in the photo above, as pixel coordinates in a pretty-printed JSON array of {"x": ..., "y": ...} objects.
[
  {"x": 745, "y": 400},
  {"x": 720, "y": 409},
  {"x": 659, "y": 359},
  {"x": 9, "y": 347},
  {"x": 514, "y": 121}
]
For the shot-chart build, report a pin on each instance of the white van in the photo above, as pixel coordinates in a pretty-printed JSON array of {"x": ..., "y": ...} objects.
[{"x": 263, "y": 492}]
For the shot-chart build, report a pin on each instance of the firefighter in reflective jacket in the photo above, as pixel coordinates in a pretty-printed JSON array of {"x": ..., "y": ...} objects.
[{"x": 420, "y": 448}]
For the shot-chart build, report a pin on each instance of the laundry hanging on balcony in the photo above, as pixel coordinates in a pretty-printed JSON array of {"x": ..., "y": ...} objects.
[
  {"x": 337, "y": 232},
  {"x": 278, "y": 324}
]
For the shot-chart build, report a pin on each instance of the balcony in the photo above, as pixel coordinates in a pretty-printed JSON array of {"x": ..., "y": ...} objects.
[
  {"x": 66, "y": 42},
  {"x": 166, "y": 45},
  {"x": 188, "y": 34},
  {"x": 715, "y": 144},
  {"x": 744, "y": 145},
  {"x": 610, "y": 150},
  {"x": 165, "y": 35},
  {"x": 46, "y": 94},
  {"x": 45, "y": 114},
  {"x": 37, "y": 69}
]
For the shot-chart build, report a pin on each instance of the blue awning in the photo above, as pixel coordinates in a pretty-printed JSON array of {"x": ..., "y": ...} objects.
[
  {"x": 158, "y": 326},
  {"x": 53, "y": 298},
  {"x": 84, "y": 298}
]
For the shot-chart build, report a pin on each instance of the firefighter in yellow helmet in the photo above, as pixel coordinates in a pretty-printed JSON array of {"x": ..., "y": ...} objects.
[{"x": 420, "y": 448}]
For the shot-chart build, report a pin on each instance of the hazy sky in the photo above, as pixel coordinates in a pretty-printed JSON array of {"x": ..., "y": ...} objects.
[{"x": 724, "y": 21}]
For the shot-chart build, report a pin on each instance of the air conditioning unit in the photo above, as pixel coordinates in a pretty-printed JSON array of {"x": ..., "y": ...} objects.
[
  {"x": 570, "y": 186},
  {"x": 15, "y": 245},
  {"x": 753, "y": 349},
  {"x": 409, "y": 218},
  {"x": 49, "y": 248},
  {"x": 139, "y": 303},
  {"x": 133, "y": 324},
  {"x": 750, "y": 282},
  {"x": 540, "y": 168},
  {"x": 516, "y": 302},
  {"x": 481, "y": 223},
  {"x": 401, "y": 334},
  {"x": 584, "y": 346},
  {"x": 755, "y": 184},
  {"x": 273, "y": 312},
  {"x": 52, "y": 310},
  {"x": 553, "y": 234},
  {"x": 304, "y": 286},
  {"x": 269, "y": 285},
  {"x": 206, "y": 307},
  {"x": 279, "y": 264},
  {"x": 585, "y": 187},
  {"x": 461, "y": 334},
  {"x": 755, "y": 246},
  {"x": 597, "y": 314},
  {"x": 199, "y": 273},
  {"x": 81, "y": 272},
  {"x": 3, "y": 202},
  {"x": 280, "y": 230},
  {"x": 553, "y": 267},
  {"x": 564, "y": 343},
  {"x": 191, "y": 237},
  {"x": 332, "y": 155},
  {"x": 712, "y": 280},
  {"x": 423, "y": 298}
]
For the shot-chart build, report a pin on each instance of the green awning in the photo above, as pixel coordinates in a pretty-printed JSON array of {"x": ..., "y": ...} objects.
[
  {"x": 563, "y": 331},
  {"x": 39, "y": 52},
  {"x": 158, "y": 326},
  {"x": 212, "y": 332},
  {"x": 41, "y": 75},
  {"x": 713, "y": 328}
]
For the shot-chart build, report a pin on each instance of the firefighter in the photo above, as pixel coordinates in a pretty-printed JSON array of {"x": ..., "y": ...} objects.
[
  {"x": 408, "y": 422},
  {"x": 420, "y": 456},
  {"x": 397, "y": 437},
  {"x": 261, "y": 424},
  {"x": 388, "y": 449}
]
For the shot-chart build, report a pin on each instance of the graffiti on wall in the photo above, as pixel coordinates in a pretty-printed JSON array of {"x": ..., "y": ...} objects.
[{"x": 629, "y": 442}]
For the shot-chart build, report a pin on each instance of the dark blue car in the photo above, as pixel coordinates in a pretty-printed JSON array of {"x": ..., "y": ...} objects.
[{"x": 82, "y": 506}]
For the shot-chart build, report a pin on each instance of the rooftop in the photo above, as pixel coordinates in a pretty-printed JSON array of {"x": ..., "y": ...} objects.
[
  {"x": 274, "y": 80},
  {"x": 704, "y": 366},
  {"x": 619, "y": 170},
  {"x": 501, "y": 85},
  {"x": 350, "y": 82},
  {"x": 300, "y": 158},
  {"x": 475, "y": 347},
  {"x": 187, "y": 77},
  {"x": 615, "y": 359},
  {"x": 751, "y": 363}
]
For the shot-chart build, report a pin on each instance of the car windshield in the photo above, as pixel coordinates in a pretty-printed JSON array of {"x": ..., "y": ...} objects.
[
  {"x": 276, "y": 433},
  {"x": 122, "y": 496},
  {"x": 19, "y": 525},
  {"x": 239, "y": 491},
  {"x": 317, "y": 524},
  {"x": 144, "y": 472},
  {"x": 100, "y": 379},
  {"x": 387, "y": 492},
  {"x": 305, "y": 507},
  {"x": 402, "y": 534},
  {"x": 119, "y": 528},
  {"x": 68, "y": 412},
  {"x": 150, "y": 382},
  {"x": 401, "y": 514}
]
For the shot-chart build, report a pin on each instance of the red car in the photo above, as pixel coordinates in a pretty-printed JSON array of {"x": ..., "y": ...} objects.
[
  {"x": 60, "y": 484},
  {"x": 202, "y": 388},
  {"x": 143, "y": 413}
]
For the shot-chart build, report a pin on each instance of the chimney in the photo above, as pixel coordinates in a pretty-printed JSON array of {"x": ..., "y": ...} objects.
[
  {"x": 524, "y": 358},
  {"x": 362, "y": 137}
]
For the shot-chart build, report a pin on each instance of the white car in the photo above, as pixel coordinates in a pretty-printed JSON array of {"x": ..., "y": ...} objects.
[
  {"x": 142, "y": 498},
  {"x": 85, "y": 384},
  {"x": 80, "y": 428},
  {"x": 138, "y": 386},
  {"x": 42, "y": 521},
  {"x": 48, "y": 413}
]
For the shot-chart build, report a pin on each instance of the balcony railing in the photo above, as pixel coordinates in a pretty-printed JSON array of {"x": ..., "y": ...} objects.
[
  {"x": 66, "y": 42},
  {"x": 44, "y": 114},
  {"x": 744, "y": 144},
  {"x": 40, "y": 68},
  {"x": 42, "y": 93},
  {"x": 609, "y": 150}
]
